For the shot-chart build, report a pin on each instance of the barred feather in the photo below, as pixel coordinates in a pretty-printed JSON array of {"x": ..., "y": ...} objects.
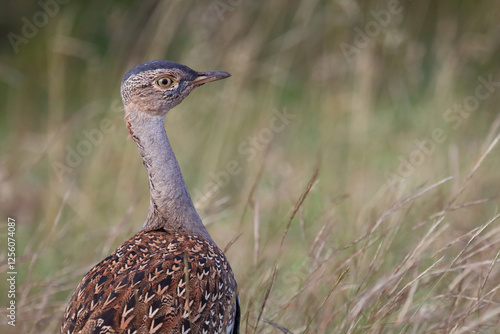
[{"x": 146, "y": 287}]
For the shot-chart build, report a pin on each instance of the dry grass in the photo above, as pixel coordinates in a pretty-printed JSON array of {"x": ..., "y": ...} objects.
[{"x": 321, "y": 235}]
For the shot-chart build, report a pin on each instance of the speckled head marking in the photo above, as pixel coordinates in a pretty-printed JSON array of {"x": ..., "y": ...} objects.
[
  {"x": 157, "y": 65},
  {"x": 157, "y": 86}
]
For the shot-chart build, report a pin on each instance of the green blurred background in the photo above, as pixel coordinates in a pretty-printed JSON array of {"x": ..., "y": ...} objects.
[{"x": 382, "y": 97}]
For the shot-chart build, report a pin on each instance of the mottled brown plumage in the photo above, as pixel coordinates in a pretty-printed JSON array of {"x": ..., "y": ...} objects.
[
  {"x": 142, "y": 288},
  {"x": 170, "y": 277}
]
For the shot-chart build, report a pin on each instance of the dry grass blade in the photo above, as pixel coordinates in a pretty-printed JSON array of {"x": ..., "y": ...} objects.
[
  {"x": 426, "y": 241},
  {"x": 483, "y": 319},
  {"x": 298, "y": 204},
  {"x": 404, "y": 290},
  {"x": 341, "y": 276},
  {"x": 490, "y": 269},
  {"x": 474, "y": 236},
  {"x": 404, "y": 200},
  {"x": 464, "y": 205},
  {"x": 473, "y": 171},
  {"x": 278, "y": 327},
  {"x": 266, "y": 298},
  {"x": 230, "y": 243},
  {"x": 255, "y": 183},
  {"x": 256, "y": 232}
]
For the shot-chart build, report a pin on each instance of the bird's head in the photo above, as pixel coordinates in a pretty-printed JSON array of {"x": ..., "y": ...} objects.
[{"x": 157, "y": 86}]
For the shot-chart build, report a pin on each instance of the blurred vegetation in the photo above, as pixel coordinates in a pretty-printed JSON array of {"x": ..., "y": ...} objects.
[{"x": 364, "y": 83}]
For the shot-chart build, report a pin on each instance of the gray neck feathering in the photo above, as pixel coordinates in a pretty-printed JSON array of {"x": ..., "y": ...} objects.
[{"x": 171, "y": 207}]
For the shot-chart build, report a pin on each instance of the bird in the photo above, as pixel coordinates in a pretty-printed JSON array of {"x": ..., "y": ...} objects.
[{"x": 170, "y": 277}]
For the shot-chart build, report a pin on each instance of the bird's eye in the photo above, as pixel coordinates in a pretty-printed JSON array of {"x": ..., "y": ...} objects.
[{"x": 164, "y": 82}]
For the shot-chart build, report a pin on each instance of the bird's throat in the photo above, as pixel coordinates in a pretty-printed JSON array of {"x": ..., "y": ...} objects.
[{"x": 171, "y": 207}]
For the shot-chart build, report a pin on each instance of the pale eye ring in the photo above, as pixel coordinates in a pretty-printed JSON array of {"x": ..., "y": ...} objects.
[{"x": 164, "y": 82}]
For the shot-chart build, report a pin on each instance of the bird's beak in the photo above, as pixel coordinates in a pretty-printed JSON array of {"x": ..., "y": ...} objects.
[{"x": 204, "y": 77}]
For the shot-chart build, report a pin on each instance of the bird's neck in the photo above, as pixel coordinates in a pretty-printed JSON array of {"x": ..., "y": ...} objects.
[{"x": 171, "y": 207}]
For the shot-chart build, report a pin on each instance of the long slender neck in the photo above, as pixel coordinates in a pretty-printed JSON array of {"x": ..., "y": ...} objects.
[{"x": 171, "y": 207}]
